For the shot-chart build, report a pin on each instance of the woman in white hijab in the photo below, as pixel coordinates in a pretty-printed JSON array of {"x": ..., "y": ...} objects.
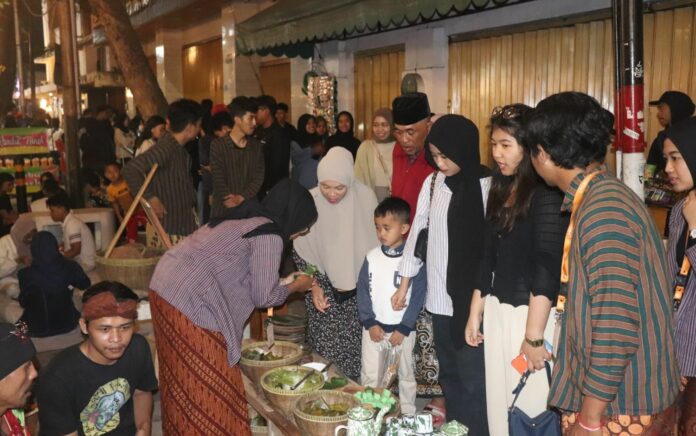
[{"x": 336, "y": 246}]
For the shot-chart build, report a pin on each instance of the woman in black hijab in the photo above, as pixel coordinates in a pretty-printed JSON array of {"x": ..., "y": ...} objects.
[
  {"x": 306, "y": 151},
  {"x": 344, "y": 134},
  {"x": 46, "y": 288},
  {"x": 455, "y": 220},
  {"x": 680, "y": 153}
]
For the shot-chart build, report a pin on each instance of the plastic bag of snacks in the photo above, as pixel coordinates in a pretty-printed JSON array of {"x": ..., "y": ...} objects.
[{"x": 390, "y": 366}]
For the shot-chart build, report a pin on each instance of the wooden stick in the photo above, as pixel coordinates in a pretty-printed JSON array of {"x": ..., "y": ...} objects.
[
  {"x": 131, "y": 210},
  {"x": 156, "y": 223}
]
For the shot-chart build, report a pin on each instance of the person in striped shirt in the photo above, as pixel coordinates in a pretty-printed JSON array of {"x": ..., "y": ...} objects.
[
  {"x": 615, "y": 370},
  {"x": 170, "y": 194},
  {"x": 680, "y": 156}
]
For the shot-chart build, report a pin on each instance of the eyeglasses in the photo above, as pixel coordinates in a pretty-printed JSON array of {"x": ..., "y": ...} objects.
[
  {"x": 506, "y": 112},
  {"x": 21, "y": 331}
]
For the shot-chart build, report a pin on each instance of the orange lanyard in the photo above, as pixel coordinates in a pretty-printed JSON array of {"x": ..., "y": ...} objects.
[
  {"x": 680, "y": 282},
  {"x": 579, "y": 194}
]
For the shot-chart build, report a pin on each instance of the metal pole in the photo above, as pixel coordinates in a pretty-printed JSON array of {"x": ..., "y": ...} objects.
[
  {"x": 20, "y": 62},
  {"x": 32, "y": 72},
  {"x": 74, "y": 58},
  {"x": 616, "y": 32},
  {"x": 631, "y": 109}
]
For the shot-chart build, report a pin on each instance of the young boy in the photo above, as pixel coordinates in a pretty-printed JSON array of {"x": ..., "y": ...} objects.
[
  {"x": 103, "y": 385},
  {"x": 385, "y": 327},
  {"x": 78, "y": 241},
  {"x": 121, "y": 199}
]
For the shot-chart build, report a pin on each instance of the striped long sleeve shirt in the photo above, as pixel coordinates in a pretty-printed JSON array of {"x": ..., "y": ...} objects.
[
  {"x": 216, "y": 277},
  {"x": 685, "y": 330},
  {"x": 235, "y": 170},
  {"x": 433, "y": 215},
  {"x": 171, "y": 184},
  {"x": 617, "y": 335}
]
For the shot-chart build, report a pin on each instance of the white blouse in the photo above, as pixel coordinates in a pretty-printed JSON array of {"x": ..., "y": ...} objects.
[{"x": 437, "y": 300}]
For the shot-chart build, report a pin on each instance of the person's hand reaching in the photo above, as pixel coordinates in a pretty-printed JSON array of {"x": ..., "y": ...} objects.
[{"x": 319, "y": 299}]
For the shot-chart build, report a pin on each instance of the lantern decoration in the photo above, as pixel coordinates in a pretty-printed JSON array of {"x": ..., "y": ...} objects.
[{"x": 321, "y": 91}]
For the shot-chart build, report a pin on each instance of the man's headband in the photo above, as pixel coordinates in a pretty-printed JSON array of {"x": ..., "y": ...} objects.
[{"x": 105, "y": 305}]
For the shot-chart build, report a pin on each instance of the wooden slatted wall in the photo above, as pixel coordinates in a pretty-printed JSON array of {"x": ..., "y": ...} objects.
[
  {"x": 377, "y": 83},
  {"x": 275, "y": 81},
  {"x": 527, "y": 67},
  {"x": 202, "y": 71}
]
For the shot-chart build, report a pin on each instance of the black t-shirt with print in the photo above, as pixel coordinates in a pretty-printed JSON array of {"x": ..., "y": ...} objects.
[{"x": 76, "y": 394}]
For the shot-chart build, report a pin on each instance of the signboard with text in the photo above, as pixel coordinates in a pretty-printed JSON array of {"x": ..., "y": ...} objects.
[{"x": 19, "y": 141}]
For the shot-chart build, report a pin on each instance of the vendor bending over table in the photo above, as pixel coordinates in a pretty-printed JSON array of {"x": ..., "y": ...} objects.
[{"x": 203, "y": 291}]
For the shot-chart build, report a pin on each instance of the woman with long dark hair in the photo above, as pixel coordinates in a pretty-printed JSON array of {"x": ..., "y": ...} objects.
[
  {"x": 124, "y": 138},
  {"x": 519, "y": 273}
]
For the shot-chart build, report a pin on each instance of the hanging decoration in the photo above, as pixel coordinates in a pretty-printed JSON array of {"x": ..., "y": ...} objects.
[{"x": 321, "y": 91}]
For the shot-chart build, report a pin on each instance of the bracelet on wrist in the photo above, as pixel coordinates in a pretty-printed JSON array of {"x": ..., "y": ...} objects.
[
  {"x": 587, "y": 427},
  {"x": 536, "y": 343}
]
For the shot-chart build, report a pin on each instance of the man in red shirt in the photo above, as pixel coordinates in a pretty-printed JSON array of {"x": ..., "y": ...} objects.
[{"x": 411, "y": 126}]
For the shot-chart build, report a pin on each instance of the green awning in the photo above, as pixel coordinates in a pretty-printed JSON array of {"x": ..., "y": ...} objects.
[{"x": 283, "y": 26}]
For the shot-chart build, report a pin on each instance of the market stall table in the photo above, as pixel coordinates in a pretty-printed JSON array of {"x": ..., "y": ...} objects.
[{"x": 278, "y": 424}]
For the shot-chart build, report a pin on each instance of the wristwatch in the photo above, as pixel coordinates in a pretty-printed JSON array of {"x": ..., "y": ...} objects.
[{"x": 536, "y": 343}]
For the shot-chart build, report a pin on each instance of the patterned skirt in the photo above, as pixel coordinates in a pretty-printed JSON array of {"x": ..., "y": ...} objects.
[
  {"x": 200, "y": 393},
  {"x": 427, "y": 368},
  {"x": 336, "y": 334}
]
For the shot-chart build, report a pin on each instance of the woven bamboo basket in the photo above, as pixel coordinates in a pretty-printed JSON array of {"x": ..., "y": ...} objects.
[
  {"x": 254, "y": 369},
  {"x": 284, "y": 400},
  {"x": 322, "y": 425},
  {"x": 134, "y": 273}
]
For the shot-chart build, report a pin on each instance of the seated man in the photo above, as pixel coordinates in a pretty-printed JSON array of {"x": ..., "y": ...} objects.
[
  {"x": 78, "y": 241},
  {"x": 16, "y": 376},
  {"x": 49, "y": 189},
  {"x": 105, "y": 384}
]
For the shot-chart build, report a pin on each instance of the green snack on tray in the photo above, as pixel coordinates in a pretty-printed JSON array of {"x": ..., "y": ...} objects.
[
  {"x": 260, "y": 355},
  {"x": 385, "y": 400},
  {"x": 321, "y": 408},
  {"x": 285, "y": 379},
  {"x": 336, "y": 383}
]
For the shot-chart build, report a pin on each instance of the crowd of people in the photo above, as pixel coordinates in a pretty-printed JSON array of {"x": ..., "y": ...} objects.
[{"x": 544, "y": 268}]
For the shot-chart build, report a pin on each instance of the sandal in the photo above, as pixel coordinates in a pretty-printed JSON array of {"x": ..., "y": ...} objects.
[{"x": 438, "y": 414}]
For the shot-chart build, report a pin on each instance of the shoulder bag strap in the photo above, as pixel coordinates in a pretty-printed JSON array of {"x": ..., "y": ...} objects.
[
  {"x": 680, "y": 281},
  {"x": 523, "y": 382},
  {"x": 430, "y": 201},
  {"x": 383, "y": 165}
]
